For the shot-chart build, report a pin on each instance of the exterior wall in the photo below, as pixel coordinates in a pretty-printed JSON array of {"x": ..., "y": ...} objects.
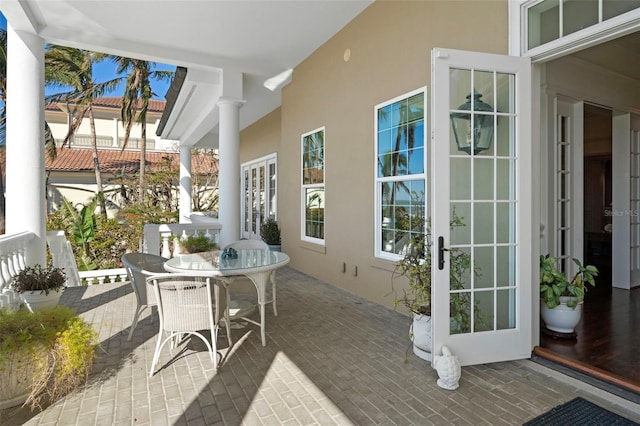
[
  {"x": 390, "y": 44},
  {"x": 261, "y": 138},
  {"x": 78, "y": 188}
]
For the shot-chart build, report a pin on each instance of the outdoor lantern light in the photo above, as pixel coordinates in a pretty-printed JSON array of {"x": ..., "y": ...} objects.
[{"x": 482, "y": 125}]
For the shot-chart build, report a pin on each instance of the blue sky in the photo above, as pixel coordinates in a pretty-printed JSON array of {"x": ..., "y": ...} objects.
[{"x": 106, "y": 71}]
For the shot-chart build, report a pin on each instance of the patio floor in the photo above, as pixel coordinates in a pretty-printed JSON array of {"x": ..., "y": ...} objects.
[{"x": 331, "y": 358}]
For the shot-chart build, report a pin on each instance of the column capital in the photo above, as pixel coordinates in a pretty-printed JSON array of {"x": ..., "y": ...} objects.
[{"x": 231, "y": 101}]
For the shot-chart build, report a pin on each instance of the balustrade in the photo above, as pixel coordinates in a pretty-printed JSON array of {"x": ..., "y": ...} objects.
[{"x": 164, "y": 239}]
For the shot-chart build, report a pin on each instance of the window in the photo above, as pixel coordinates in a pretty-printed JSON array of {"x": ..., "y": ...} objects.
[
  {"x": 313, "y": 186},
  {"x": 550, "y": 20},
  {"x": 259, "y": 201},
  {"x": 400, "y": 173}
]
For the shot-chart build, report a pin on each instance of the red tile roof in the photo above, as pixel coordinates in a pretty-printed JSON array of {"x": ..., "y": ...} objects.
[
  {"x": 155, "y": 105},
  {"x": 114, "y": 161}
]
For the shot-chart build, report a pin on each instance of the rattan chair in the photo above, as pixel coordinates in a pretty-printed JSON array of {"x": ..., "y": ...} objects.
[
  {"x": 139, "y": 266},
  {"x": 188, "y": 304}
]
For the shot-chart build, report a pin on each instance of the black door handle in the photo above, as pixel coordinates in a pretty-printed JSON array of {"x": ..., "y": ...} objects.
[{"x": 441, "y": 251}]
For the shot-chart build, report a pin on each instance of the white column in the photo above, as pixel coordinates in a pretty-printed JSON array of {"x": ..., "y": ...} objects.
[
  {"x": 185, "y": 183},
  {"x": 229, "y": 170},
  {"x": 115, "y": 133},
  {"x": 25, "y": 185}
]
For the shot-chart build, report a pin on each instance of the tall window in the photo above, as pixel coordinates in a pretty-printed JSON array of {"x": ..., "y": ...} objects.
[
  {"x": 313, "y": 186},
  {"x": 400, "y": 175}
]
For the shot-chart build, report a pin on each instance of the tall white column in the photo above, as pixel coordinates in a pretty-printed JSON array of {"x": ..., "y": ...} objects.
[
  {"x": 229, "y": 170},
  {"x": 185, "y": 183},
  {"x": 25, "y": 185}
]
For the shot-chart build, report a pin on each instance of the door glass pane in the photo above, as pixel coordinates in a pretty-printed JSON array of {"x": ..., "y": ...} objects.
[
  {"x": 505, "y": 269},
  {"x": 483, "y": 179},
  {"x": 483, "y": 223},
  {"x": 504, "y": 179},
  {"x": 247, "y": 200},
  {"x": 505, "y": 312},
  {"x": 460, "y": 179},
  {"x": 483, "y": 261},
  {"x": 460, "y": 312},
  {"x": 483, "y": 309},
  {"x": 483, "y": 83},
  {"x": 505, "y": 229},
  {"x": 461, "y": 274},
  {"x": 504, "y": 137},
  {"x": 505, "y": 93},
  {"x": 460, "y": 220}
]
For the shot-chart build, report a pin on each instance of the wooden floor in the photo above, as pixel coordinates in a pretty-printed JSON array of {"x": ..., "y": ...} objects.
[{"x": 608, "y": 338}]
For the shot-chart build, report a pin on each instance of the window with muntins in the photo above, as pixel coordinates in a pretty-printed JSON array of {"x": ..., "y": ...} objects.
[
  {"x": 550, "y": 20},
  {"x": 400, "y": 173},
  {"x": 313, "y": 198}
]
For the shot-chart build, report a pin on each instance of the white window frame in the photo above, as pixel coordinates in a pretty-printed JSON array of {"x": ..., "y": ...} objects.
[
  {"x": 610, "y": 29},
  {"x": 304, "y": 187},
  {"x": 378, "y": 252}
]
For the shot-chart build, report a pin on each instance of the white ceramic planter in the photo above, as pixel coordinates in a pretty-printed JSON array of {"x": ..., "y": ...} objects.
[
  {"x": 34, "y": 300},
  {"x": 15, "y": 380},
  {"x": 561, "y": 319},
  {"x": 421, "y": 332}
]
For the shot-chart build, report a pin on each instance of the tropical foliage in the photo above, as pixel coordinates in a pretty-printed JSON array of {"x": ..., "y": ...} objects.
[
  {"x": 135, "y": 99},
  {"x": 71, "y": 68},
  {"x": 416, "y": 266}
]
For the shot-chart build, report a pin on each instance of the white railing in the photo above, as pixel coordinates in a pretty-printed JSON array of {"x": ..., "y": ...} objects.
[
  {"x": 12, "y": 261},
  {"x": 62, "y": 257},
  {"x": 164, "y": 240}
]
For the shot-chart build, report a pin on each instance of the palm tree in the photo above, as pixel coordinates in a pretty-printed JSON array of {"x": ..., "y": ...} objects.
[
  {"x": 135, "y": 100},
  {"x": 71, "y": 68}
]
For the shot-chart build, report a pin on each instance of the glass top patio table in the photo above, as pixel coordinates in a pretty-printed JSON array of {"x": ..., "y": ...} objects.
[{"x": 258, "y": 265}]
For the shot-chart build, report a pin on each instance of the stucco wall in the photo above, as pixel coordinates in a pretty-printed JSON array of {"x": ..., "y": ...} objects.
[{"x": 390, "y": 44}]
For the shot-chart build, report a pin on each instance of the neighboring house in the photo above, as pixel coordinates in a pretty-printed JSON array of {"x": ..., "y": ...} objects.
[
  {"x": 71, "y": 174},
  {"x": 560, "y": 92}
]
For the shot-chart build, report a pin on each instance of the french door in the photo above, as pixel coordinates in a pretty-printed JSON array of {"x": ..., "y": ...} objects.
[
  {"x": 481, "y": 181},
  {"x": 259, "y": 195}
]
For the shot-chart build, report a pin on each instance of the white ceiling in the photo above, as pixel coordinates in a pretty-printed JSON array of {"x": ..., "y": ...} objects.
[
  {"x": 258, "y": 38},
  {"x": 621, "y": 56}
]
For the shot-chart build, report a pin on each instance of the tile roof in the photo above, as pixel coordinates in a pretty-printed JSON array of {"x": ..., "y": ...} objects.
[
  {"x": 114, "y": 161},
  {"x": 155, "y": 105}
]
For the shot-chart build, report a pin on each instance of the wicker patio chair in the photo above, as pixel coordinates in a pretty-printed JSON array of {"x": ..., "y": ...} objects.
[{"x": 188, "y": 304}]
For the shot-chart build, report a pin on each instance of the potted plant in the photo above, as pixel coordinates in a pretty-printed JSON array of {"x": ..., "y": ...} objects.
[
  {"x": 197, "y": 243},
  {"x": 561, "y": 299},
  {"x": 416, "y": 267},
  {"x": 270, "y": 234},
  {"x": 39, "y": 287},
  {"x": 43, "y": 354}
]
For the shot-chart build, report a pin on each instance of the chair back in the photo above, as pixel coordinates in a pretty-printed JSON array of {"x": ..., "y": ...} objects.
[
  {"x": 186, "y": 303},
  {"x": 248, "y": 244},
  {"x": 140, "y": 266}
]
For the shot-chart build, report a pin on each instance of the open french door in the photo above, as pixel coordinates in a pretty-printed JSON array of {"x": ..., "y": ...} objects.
[{"x": 481, "y": 209}]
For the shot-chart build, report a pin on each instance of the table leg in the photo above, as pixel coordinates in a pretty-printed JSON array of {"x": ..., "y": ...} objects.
[{"x": 260, "y": 280}]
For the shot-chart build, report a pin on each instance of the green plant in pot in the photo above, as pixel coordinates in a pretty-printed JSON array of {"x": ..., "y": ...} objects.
[
  {"x": 43, "y": 355},
  {"x": 197, "y": 243},
  {"x": 416, "y": 267},
  {"x": 562, "y": 298},
  {"x": 39, "y": 287},
  {"x": 270, "y": 233}
]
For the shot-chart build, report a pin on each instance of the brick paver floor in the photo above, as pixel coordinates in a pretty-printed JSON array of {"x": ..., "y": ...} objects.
[{"x": 331, "y": 358}]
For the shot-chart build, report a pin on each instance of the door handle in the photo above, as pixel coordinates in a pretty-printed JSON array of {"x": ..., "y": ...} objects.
[{"x": 441, "y": 250}]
